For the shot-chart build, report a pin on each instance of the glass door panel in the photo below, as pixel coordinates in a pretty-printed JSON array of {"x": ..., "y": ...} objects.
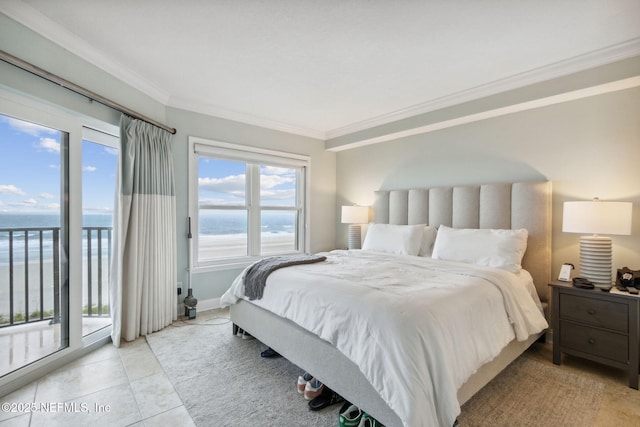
[
  {"x": 99, "y": 164},
  {"x": 34, "y": 230}
]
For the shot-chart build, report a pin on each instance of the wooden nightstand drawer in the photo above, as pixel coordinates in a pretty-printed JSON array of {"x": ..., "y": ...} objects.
[
  {"x": 591, "y": 311},
  {"x": 599, "y": 326},
  {"x": 586, "y": 339}
]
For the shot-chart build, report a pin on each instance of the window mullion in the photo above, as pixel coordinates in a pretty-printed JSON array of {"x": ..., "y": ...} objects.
[
  {"x": 300, "y": 202},
  {"x": 253, "y": 203}
]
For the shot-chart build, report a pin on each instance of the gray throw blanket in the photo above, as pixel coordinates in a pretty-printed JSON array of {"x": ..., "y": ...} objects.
[{"x": 255, "y": 276}]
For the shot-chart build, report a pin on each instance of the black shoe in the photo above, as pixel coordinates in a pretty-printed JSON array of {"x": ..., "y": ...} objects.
[
  {"x": 270, "y": 353},
  {"x": 328, "y": 397}
]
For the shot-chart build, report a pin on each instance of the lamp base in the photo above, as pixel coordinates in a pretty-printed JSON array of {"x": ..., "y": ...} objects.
[
  {"x": 355, "y": 236},
  {"x": 595, "y": 259}
]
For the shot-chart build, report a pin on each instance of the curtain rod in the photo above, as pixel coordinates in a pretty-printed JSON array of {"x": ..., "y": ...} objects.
[{"x": 15, "y": 61}]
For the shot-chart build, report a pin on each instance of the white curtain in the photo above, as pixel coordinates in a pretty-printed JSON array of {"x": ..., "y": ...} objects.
[{"x": 142, "y": 289}]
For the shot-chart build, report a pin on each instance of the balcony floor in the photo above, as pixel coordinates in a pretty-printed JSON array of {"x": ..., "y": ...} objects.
[{"x": 24, "y": 344}]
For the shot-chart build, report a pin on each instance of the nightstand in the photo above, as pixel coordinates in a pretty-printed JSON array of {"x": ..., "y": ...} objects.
[{"x": 597, "y": 325}]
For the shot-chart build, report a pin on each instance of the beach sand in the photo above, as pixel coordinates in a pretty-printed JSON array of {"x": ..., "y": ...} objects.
[
  {"x": 235, "y": 245},
  {"x": 211, "y": 247},
  {"x": 34, "y": 277}
]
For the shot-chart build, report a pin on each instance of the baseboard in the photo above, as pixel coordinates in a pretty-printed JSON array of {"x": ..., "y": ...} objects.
[
  {"x": 209, "y": 304},
  {"x": 203, "y": 305}
]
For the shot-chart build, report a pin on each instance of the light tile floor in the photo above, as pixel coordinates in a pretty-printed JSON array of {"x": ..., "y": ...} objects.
[{"x": 111, "y": 387}]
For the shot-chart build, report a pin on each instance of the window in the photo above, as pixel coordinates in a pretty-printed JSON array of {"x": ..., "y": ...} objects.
[{"x": 245, "y": 203}]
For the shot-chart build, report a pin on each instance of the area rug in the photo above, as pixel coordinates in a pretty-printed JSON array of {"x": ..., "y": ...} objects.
[
  {"x": 530, "y": 393},
  {"x": 223, "y": 381}
]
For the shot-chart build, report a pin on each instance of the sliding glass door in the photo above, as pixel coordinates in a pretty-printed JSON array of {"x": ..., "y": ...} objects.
[
  {"x": 34, "y": 242},
  {"x": 57, "y": 181}
]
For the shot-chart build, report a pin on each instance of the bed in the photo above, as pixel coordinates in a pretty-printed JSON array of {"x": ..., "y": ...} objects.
[{"x": 336, "y": 351}]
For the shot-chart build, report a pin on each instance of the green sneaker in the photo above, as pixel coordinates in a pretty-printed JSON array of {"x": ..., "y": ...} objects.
[
  {"x": 349, "y": 416},
  {"x": 368, "y": 421}
]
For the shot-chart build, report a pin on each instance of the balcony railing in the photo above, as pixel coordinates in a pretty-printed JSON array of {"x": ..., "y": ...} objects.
[{"x": 36, "y": 252}]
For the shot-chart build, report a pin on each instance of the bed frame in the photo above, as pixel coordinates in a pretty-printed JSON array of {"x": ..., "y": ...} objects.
[{"x": 506, "y": 206}]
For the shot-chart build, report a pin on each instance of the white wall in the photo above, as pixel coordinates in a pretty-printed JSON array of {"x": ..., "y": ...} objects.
[{"x": 587, "y": 148}]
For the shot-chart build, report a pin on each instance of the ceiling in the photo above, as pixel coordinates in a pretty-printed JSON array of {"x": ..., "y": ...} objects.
[{"x": 328, "y": 68}]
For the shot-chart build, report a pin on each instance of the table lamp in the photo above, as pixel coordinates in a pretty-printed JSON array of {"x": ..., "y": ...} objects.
[
  {"x": 354, "y": 216},
  {"x": 596, "y": 217}
]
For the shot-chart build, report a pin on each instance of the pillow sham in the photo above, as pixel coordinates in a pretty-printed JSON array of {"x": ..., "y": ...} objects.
[
  {"x": 428, "y": 239},
  {"x": 394, "y": 239},
  {"x": 487, "y": 247}
]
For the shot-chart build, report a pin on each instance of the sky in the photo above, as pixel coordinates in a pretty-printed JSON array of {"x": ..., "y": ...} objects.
[
  {"x": 30, "y": 170},
  {"x": 222, "y": 182},
  {"x": 30, "y": 174}
]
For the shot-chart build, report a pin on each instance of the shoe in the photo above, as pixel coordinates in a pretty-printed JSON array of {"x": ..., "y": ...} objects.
[
  {"x": 313, "y": 389},
  {"x": 328, "y": 397},
  {"x": 368, "y": 421},
  {"x": 350, "y": 415},
  {"x": 244, "y": 334},
  {"x": 270, "y": 353},
  {"x": 302, "y": 381}
]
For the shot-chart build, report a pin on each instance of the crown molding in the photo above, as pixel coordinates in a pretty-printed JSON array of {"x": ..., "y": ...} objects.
[
  {"x": 576, "y": 64},
  {"x": 41, "y": 24},
  {"x": 615, "y": 86},
  {"x": 244, "y": 118}
]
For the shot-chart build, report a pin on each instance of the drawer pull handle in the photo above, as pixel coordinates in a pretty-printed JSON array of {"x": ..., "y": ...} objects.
[
  {"x": 592, "y": 341},
  {"x": 591, "y": 311}
]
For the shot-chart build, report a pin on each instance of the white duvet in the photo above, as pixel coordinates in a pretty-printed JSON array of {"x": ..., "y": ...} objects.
[{"x": 417, "y": 328}]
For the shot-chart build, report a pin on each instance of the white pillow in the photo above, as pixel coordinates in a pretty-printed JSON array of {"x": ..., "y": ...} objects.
[
  {"x": 428, "y": 239},
  {"x": 394, "y": 239},
  {"x": 491, "y": 248}
]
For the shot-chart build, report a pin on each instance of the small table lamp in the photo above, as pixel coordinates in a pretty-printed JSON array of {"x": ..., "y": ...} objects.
[
  {"x": 354, "y": 216},
  {"x": 596, "y": 217}
]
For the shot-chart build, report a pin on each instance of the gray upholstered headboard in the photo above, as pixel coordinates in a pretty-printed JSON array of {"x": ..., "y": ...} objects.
[{"x": 507, "y": 206}]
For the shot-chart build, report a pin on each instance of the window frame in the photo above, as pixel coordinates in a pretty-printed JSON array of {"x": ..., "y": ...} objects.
[{"x": 253, "y": 157}]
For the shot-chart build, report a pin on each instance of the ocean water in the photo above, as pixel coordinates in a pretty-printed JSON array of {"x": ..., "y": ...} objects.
[
  {"x": 233, "y": 224},
  {"x": 34, "y": 239},
  {"x": 19, "y": 222},
  {"x": 210, "y": 223}
]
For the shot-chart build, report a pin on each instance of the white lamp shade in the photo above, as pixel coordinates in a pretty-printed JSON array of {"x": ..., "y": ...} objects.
[
  {"x": 597, "y": 217},
  {"x": 355, "y": 215}
]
